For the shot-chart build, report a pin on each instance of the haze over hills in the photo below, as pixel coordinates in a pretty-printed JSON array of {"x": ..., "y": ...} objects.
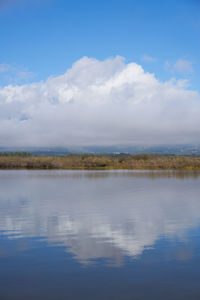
[{"x": 114, "y": 150}]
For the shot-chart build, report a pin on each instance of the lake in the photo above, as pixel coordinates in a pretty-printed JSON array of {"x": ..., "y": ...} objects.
[{"x": 99, "y": 235}]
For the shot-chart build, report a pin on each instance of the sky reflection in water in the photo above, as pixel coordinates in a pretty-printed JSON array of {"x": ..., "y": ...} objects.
[{"x": 99, "y": 215}]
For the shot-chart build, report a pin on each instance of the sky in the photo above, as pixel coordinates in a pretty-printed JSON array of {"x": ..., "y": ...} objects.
[{"x": 79, "y": 73}]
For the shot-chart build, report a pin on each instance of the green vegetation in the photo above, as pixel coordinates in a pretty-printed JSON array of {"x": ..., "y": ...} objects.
[
  {"x": 98, "y": 162},
  {"x": 21, "y": 154}
]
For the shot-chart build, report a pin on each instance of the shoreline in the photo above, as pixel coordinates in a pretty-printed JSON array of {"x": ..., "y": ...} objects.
[{"x": 100, "y": 162}]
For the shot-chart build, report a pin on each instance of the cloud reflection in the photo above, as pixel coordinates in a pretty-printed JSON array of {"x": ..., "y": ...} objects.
[{"x": 99, "y": 214}]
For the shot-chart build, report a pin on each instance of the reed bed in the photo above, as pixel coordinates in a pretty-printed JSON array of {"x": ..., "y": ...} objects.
[{"x": 100, "y": 162}]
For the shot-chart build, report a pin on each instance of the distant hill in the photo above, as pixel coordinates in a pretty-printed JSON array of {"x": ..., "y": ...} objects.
[{"x": 114, "y": 150}]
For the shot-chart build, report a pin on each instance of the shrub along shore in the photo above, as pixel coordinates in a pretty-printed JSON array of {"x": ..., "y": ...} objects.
[{"x": 99, "y": 162}]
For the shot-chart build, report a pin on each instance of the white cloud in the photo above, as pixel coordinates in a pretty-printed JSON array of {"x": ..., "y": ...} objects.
[
  {"x": 183, "y": 66},
  {"x": 11, "y": 73},
  {"x": 4, "y": 68},
  {"x": 148, "y": 58},
  {"x": 99, "y": 103}
]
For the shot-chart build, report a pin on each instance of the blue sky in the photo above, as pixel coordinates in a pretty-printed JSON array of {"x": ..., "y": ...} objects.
[
  {"x": 46, "y": 37},
  {"x": 79, "y": 73}
]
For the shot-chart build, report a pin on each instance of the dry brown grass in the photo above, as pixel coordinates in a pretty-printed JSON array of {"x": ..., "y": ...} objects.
[{"x": 103, "y": 162}]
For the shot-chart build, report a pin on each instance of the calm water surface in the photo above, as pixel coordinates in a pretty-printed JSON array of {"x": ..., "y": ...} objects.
[{"x": 99, "y": 235}]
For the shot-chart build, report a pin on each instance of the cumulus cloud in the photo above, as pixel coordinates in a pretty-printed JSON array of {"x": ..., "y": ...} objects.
[{"x": 99, "y": 103}]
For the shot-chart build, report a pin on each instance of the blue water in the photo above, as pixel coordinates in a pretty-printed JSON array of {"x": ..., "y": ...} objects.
[{"x": 99, "y": 235}]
